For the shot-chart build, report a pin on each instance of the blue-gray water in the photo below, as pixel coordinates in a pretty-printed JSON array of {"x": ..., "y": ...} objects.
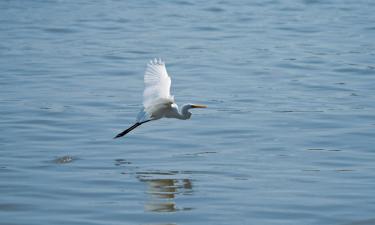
[{"x": 288, "y": 137}]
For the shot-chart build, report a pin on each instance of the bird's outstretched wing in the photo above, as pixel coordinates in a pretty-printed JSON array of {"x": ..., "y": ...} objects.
[{"x": 157, "y": 83}]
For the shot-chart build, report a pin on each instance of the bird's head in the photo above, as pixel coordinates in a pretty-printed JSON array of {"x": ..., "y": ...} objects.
[{"x": 185, "y": 109}]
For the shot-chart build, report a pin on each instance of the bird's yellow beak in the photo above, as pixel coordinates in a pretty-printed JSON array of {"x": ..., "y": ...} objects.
[{"x": 198, "y": 106}]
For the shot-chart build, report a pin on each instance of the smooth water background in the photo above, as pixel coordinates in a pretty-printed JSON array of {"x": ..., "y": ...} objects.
[{"x": 288, "y": 137}]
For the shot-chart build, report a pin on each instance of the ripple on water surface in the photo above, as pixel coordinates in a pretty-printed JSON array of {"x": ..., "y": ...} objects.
[{"x": 287, "y": 137}]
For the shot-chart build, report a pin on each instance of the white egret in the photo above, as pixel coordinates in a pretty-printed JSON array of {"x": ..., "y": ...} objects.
[{"x": 157, "y": 99}]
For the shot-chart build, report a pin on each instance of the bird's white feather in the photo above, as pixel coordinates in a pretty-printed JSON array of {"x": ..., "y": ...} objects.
[
  {"x": 157, "y": 83},
  {"x": 157, "y": 99}
]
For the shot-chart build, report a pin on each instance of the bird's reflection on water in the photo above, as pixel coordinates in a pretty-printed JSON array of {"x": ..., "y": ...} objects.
[
  {"x": 163, "y": 187},
  {"x": 163, "y": 191}
]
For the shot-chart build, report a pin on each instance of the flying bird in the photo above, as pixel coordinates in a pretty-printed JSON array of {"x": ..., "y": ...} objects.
[{"x": 157, "y": 99}]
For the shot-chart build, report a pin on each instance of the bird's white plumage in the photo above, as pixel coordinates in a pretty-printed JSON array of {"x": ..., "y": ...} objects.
[
  {"x": 157, "y": 99},
  {"x": 157, "y": 84}
]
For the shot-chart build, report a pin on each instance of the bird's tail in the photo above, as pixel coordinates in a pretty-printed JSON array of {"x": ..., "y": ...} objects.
[{"x": 130, "y": 129}]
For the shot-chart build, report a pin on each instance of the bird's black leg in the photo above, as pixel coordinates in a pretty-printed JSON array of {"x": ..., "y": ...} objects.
[{"x": 131, "y": 128}]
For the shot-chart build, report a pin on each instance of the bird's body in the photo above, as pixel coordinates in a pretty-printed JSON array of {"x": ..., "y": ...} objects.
[{"x": 157, "y": 100}]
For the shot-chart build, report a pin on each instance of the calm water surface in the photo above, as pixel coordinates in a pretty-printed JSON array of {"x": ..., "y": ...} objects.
[{"x": 288, "y": 137}]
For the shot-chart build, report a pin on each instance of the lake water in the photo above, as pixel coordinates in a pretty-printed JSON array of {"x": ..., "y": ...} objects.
[{"x": 287, "y": 138}]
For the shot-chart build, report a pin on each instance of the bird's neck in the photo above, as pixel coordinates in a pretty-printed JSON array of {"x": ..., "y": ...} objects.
[{"x": 184, "y": 113}]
